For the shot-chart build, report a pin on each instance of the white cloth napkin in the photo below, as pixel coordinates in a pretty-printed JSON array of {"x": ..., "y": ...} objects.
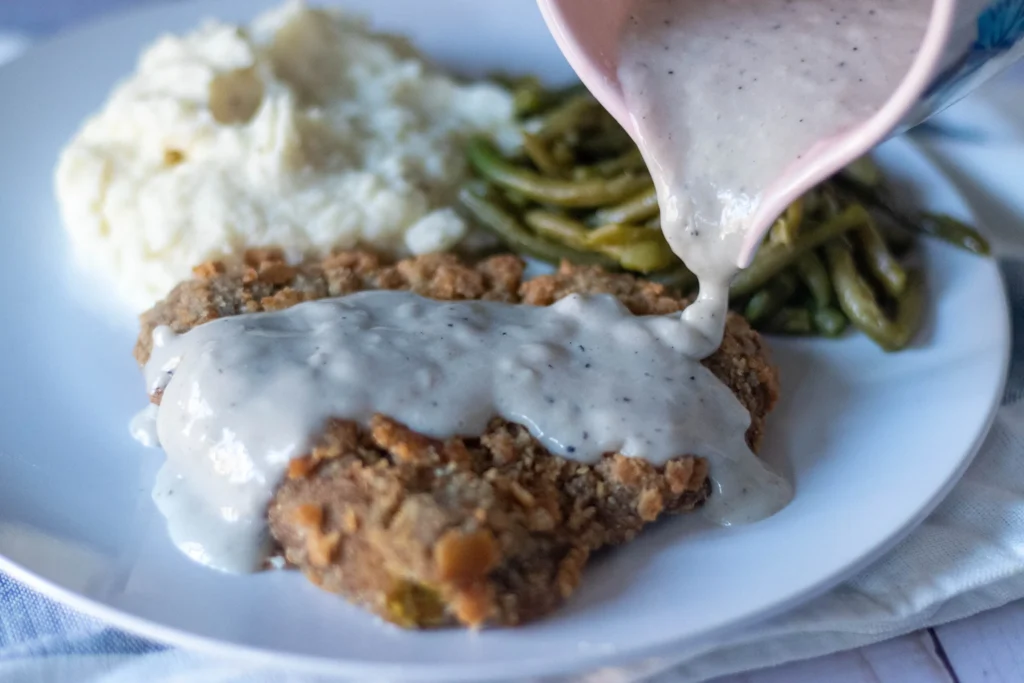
[{"x": 966, "y": 558}]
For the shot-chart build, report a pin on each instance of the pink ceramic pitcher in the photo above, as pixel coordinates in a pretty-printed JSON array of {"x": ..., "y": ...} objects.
[{"x": 966, "y": 42}]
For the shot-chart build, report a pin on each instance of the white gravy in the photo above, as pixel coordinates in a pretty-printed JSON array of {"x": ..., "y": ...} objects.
[
  {"x": 244, "y": 395},
  {"x": 726, "y": 94}
]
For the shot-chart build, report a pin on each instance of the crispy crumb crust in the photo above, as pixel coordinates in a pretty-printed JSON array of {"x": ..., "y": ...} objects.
[
  {"x": 468, "y": 531},
  {"x": 263, "y": 281}
]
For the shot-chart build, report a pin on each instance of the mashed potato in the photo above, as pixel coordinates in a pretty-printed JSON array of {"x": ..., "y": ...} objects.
[{"x": 303, "y": 130}]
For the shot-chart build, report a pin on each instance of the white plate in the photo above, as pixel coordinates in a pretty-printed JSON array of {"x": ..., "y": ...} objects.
[{"x": 871, "y": 440}]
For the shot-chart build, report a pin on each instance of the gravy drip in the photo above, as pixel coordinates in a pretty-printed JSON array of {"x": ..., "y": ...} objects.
[
  {"x": 726, "y": 94},
  {"x": 244, "y": 395}
]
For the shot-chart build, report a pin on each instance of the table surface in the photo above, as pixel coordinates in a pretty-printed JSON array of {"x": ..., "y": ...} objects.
[{"x": 987, "y": 648}]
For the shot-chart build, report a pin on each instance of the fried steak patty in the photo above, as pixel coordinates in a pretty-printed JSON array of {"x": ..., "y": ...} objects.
[{"x": 480, "y": 530}]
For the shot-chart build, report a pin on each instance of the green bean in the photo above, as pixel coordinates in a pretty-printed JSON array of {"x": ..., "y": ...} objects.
[
  {"x": 773, "y": 258},
  {"x": 528, "y": 96},
  {"x": 489, "y": 163},
  {"x": 769, "y": 300},
  {"x": 791, "y": 320},
  {"x": 854, "y": 293},
  {"x": 941, "y": 226},
  {"x": 566, "y": 116},
  {"x": 616, "y": 234},
  {"x": 858, "y": 301},
  {"x": 812, "y": 201},
  {"x": 636, "y": 209},
  {"x": 910, "y": 310},
  {"x": 786, "y": 226},
  {"x": 645, "y": 256},
  {"x": 880, "y": 261},
  {"x": 630, "y": 160},
  {"x": 541, "y": 157},
  {"x": 814, "y": 275},
  {"x": 507, "y": 227},
  {"x": 831, "y": 203},
  {"x": 864, "y": 171},
  {"x": 637, "y": 248},
  {"x": 900, "y": 241},
  {"x": 516, "y": 199},
  {"x": 562, "y": 154},
  {"x": 606, "y": 143},
  {"x": 584, "y": 173},
  {"x": 955, "y": 232},
  {"x": 558, "y": 227},
  {"x": 829, "y": 322}
]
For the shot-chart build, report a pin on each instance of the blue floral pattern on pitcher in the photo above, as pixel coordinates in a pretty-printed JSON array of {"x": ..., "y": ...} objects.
[{"x": 1000, "y": 28}]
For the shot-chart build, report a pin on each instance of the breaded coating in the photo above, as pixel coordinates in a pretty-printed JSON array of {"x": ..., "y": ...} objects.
[
  {"x": 263, "y": 281},
  {"x": 468, "y": 531},
  {"x": 491, "y": 529}
]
